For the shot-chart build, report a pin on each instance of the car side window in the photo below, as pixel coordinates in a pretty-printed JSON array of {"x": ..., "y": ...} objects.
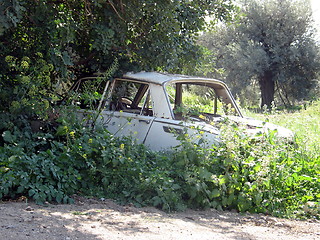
[
  {"x": 86, "y": 93},
  {"x": 131, "y": 96},
  {"x": 194, "y": 100}
]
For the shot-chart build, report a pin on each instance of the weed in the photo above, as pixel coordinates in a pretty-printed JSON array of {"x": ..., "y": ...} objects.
[{"x": 260, "y": 174}]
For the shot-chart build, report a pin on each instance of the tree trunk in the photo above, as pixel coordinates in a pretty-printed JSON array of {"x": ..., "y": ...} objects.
[{"x": 267, "y": 88}]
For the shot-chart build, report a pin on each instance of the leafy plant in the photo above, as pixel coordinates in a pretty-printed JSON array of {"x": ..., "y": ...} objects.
[
  {"x": 27, "y": 89},
  {"x": 260, "y": 174}
]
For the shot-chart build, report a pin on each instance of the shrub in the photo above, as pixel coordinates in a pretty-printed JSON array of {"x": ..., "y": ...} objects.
[{"x": 259, "y": 174}]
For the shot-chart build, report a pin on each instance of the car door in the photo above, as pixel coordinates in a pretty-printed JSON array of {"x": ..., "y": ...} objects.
[
  {"x": 128, "y": 111},
  {"x": 123, "y": 124},
  {"x": 165, "y": 133}
]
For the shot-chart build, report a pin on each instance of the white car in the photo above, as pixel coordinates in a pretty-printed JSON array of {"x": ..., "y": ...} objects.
[{"x": 155, "y": 108}]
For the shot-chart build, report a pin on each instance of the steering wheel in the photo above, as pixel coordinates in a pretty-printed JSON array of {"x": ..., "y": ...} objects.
[{"x": 123, "y": 103}]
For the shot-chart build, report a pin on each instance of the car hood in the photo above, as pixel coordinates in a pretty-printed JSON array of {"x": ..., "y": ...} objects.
[{"x": 254, "y": 126}]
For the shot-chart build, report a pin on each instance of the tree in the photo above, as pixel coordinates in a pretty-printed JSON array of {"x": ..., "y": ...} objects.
[
  {"x": 74, "y": 38},
  {"x": 152, "y": 34},
  {"x": 272, "y": 44}
]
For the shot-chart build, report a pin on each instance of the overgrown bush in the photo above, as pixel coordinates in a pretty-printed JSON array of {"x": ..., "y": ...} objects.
[
  {"x": 260, "y": 174},
  {"x": 27, "y": 86}
]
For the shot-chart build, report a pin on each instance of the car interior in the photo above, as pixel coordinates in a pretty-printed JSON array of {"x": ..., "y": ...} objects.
[{"x": 131, "y": 96}]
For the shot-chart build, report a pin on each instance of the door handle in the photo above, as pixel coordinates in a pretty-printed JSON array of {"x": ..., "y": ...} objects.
[{"x": 145, "y": 121}]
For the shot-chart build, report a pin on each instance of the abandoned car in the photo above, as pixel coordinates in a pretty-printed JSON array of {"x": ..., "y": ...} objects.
[{"x": 155, "y": 108}]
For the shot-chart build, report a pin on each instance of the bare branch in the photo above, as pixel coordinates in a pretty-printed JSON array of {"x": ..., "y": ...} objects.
[{"x": 116, "y": 11}]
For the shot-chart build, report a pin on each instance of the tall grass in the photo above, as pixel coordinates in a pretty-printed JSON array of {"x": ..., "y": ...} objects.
[
  {"x": 304, "y": 157},
  {"x": 305, "y": 123}
]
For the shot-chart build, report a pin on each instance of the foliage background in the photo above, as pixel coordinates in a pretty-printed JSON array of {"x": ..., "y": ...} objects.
[{"x": 272, "y": 46}]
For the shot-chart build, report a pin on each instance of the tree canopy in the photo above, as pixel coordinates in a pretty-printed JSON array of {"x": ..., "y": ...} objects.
[
  {"x": 91, "y": 33},
  {"x": 47, "y": 43},
  {"x": 271, "y": 44}
]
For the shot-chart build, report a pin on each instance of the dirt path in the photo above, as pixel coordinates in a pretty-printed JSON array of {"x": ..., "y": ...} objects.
[{"x": 91, "y": 219}]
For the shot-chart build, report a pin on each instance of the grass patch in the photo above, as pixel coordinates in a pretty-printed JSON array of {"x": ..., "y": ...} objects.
[{"x": 304, "y": 122}]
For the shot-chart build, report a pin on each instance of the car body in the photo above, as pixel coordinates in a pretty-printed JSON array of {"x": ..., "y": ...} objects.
[{"x": 155, "y": 108}]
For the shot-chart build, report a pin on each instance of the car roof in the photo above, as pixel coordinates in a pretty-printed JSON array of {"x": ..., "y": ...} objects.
[{"x": 162, "y": 78}]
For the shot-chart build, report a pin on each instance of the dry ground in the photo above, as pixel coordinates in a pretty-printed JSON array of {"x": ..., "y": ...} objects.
[{"x": 92, "y": 219}]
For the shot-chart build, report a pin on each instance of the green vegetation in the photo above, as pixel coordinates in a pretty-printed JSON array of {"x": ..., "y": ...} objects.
[
  {"x": 46, "y": 153},
  {"x": 260, "y": 174},
  {"x": 272, "y": 46},
  {"x": 304, "y": 121}
]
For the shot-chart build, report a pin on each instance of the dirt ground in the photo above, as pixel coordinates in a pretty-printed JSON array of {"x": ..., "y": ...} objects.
[{"x": 92, "y": 219}]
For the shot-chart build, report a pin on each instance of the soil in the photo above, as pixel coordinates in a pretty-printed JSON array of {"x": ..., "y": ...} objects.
[{"x": 96, "y": 219}]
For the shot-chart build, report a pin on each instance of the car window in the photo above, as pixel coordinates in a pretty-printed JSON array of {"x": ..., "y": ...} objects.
[
  {"x": 130, "y": 96},
  {"x": 86, "y": 93},
  {"x": 194, "y": 100}
]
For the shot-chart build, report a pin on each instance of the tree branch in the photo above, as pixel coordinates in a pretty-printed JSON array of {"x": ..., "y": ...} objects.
[{"x": 115, "y": 10}]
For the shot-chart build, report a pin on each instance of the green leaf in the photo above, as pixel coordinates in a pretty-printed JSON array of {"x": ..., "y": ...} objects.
[
  {"x": 8, "y": 137},
  {"x": 156, "y": 201},
  {"x": 31, "y": 192},
  {"x": 59, "y": 197},
  {"x": 62, "y": 130},
  {"x": 205, "y": 174},
  {"x": 20, "y": 189},
  {"x": 215, "y": 193},
  {"x": 223, "y": 179}
]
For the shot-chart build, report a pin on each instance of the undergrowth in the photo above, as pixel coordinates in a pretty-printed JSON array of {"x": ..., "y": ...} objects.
[{"x": 260, "y": 174}]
